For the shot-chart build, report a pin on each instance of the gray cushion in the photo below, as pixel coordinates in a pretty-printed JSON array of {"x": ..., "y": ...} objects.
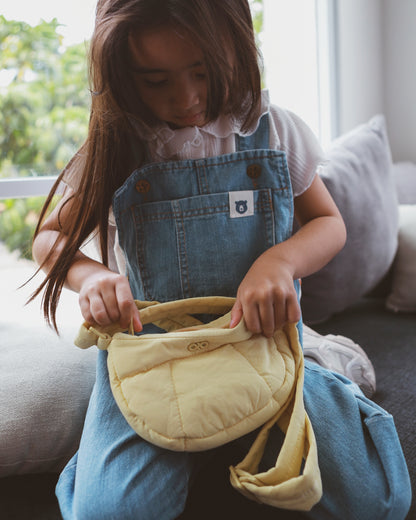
[
  {"x": 404, "y": 174},
  {"x": 359, "y": 178},
  {"x": 402, "y": 297},
  {"x": 45, "y": 380}
]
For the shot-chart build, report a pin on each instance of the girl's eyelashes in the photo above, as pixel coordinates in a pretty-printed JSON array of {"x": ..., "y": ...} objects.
[
  {"x": 199, "y": 76},
  {"x": 149, "y": 81},
  {"x": 155, "y": 83}
]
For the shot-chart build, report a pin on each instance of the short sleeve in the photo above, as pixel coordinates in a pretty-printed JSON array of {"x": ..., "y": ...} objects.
[{"x": 304, "y": 154}]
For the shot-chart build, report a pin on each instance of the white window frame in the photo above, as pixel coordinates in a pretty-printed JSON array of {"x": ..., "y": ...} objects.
[
  {"x": 24, "y": 187},
  {"x": 327, "y": 30},
  {"x": 328, "y": 68}
]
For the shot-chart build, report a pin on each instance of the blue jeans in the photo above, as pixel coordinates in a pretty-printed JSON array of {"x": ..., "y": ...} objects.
[{"x": 117, "y": 475}]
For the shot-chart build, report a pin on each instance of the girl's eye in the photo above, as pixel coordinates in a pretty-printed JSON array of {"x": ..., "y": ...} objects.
[{"x": 153, "y": 83}]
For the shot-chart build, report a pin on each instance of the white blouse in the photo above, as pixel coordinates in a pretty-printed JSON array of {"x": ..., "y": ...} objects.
[{"x": 287, "y": 132}]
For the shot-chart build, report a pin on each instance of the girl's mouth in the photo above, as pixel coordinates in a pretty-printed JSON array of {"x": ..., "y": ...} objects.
[{"x": 192, "y": 119}]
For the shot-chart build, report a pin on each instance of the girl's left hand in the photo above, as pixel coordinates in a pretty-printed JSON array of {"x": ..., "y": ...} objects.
[{"x": 266, "y": 297}]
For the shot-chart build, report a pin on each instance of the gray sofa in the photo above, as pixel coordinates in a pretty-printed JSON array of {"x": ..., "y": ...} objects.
[{"x": 368, "y": 294}]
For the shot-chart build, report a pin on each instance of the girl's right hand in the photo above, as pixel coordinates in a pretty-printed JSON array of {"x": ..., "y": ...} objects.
[{"x": 105, "y": 297}]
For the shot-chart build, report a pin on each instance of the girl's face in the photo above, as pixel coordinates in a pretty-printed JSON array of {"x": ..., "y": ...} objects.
[{"x": 170, "y": 76}]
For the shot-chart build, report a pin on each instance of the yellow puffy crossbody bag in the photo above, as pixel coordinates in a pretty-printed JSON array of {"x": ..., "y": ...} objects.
[{"x": 199, "y": 386}]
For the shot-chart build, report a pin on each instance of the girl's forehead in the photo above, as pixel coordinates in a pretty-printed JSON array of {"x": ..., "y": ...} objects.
[{"x": 164, "y": 48}]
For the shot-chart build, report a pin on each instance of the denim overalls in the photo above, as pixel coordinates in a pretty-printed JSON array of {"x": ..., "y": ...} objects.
[{"x": 194, "y": 228}]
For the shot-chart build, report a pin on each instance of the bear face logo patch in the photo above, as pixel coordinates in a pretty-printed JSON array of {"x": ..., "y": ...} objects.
[{"x": 241, "y": 204}]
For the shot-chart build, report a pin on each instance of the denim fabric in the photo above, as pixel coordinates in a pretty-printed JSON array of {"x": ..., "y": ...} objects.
[
  {"x": 183, "y": 236},
  {"x": 364, "y": 473}
]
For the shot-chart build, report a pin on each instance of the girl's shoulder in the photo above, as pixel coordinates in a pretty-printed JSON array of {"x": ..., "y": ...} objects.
[
  {"x": 285, "y": 126},
  {"x": 290, "y": 133},
  {"x": 304, "y": 153},
  {"x": 289, "y": 128}
]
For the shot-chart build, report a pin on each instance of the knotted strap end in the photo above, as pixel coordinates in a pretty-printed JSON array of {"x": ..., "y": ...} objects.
[
  {"x": 89, "y": 336},
  {"x": 238, "y": 485},
  {"x": 86, "y": 337}
]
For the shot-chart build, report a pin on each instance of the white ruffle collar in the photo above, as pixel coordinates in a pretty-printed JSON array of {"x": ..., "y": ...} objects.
[{"x": 166, "y": 143}]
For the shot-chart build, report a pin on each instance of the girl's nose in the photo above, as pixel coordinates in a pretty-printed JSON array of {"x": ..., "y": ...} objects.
[{"x": 186, "y": 94}]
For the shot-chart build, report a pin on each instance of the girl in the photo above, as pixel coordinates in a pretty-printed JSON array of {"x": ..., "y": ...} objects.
[{"x": 218, "y": 174}]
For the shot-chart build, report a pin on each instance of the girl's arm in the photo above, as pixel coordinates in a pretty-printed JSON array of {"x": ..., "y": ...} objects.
[
  {"x": 104, "y": 296},
  {"x": 266, "y": 297}
]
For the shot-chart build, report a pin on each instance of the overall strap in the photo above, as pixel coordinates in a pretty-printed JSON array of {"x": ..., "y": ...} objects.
[{"x": 257, "y": 141}]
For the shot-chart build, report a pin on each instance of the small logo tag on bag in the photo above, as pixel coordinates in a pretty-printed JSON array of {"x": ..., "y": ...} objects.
[
  {"x": 197, "y": 346},
  {"x": 241, "y": 204}
]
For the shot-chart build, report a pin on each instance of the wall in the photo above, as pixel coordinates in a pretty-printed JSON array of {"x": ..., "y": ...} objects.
[
  {"x": 360, "y": 68},
  {"x": 400, "y": 76},
  {"x": 376, "y": 48}
]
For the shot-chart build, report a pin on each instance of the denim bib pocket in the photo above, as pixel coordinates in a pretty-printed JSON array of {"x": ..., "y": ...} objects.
[{"x": 198, "y": 246}]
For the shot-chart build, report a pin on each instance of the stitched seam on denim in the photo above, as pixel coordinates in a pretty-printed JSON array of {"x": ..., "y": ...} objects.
[
  {"x": 172, "y": 168},
  {"x": 210, "y": 210},
  {"x": 204, "y": 176},
  {"x": 185, "y": 269},
  {"x": 270, "y": 203},
  {"x": 140, "y": 256},
  {"x": 224, "y": 206},
  {"x": 186, "y": 255},
  {"x": 261, "y": 205}
]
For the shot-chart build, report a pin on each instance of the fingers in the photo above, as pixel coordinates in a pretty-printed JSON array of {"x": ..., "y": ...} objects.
[
  {"x": 127, "y": 308},
  {"x": 236, "y": 314},
  {"x": 108, "y": 299},
  {"x": 267, "y": 313}
]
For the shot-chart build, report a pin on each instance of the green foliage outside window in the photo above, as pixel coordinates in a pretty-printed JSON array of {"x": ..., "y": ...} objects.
[
  {"x": 44, "y": 114},
  {"x": 257, "y": 14},
  {"x": 44, "y": 104}
]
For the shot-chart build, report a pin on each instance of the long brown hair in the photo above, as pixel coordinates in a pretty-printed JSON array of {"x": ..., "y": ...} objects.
[{"x": 108, "y": 157}]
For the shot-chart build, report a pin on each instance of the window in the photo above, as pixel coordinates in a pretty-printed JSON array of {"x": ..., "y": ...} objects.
[{"x": 298, "y": 49}]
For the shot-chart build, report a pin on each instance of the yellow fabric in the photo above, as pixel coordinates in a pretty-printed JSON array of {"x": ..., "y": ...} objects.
[{"x": 199, "y": 386}]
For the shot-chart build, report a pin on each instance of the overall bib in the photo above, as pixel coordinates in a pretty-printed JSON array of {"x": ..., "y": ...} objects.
[{"x": 194, "y": 228}]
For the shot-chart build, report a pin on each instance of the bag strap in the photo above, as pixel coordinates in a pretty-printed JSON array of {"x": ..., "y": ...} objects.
[
  {"x": 170, "y": 310},
  {"x": 168, "y": 316},
  {"x": 284, "y": 485}
]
